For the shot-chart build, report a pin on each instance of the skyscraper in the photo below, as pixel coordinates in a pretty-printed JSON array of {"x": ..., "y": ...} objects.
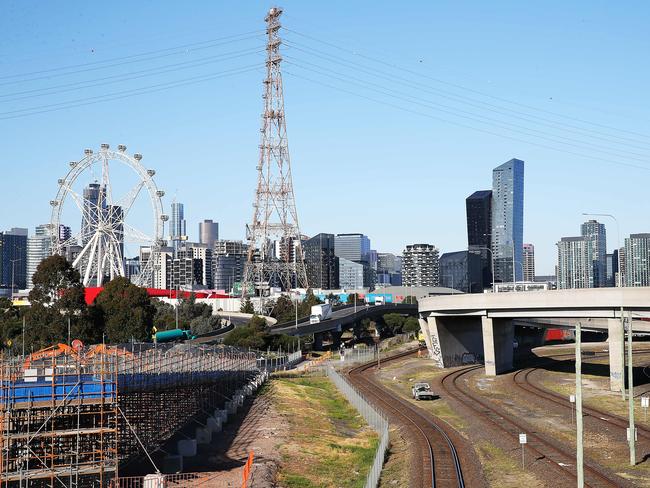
[
  {"x": 355, "y": 248},
  {"x": 94, "y": 201},
  {"x": 208, "y": 232},
  {"x": 229, "y": 259},
  {"x": 351, "y": 274},
  {"x": 177, "y": 225},
  {"x": 595, "y": 231},
  {"x": 38, "y": 248},
  {"x": 529, "y": 262},
  {"x": 420, "y": 266},
  {"x": 479, "y": 237},
  {"x": 637, "y": 260},
  {"x": 455, "y": 267},
  {"x": 508, "y": 220},
  {"x": 575, "y": 267},
  {"x": 321, "y": 263},
  {"x": 13, "y": 260}
]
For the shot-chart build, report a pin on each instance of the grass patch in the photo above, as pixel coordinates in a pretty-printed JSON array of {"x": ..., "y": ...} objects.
[
  {"x": 502, "y": 471},
  {"x": 329, "y": 444}
]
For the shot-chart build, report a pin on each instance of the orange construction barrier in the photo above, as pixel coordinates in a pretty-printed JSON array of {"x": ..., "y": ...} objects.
[{"x": 247, "y": 469}]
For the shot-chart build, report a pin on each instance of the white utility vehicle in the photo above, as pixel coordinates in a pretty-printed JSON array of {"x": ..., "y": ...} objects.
[{"x": 422, "y": 391}]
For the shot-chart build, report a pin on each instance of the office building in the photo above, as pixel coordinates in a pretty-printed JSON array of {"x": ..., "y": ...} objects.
[
  {"x": 420, "y": 265},
  {"x": 38, "y": 248},
  {"x": 622, "y": 264},
  {"x": 94, "y": 202},
  {"x": 351, "y": 274},
  {"x": 478, "y": 207},
  {"x": 637, "y": 260},
  {"x": 611, "y": 263},
  {"x": 229, "y": 259},
  {"x": 13, "y": 261},
  {"x": 65, "y": 233},
  {"x": 575, "y": 267},
  {"x": 353, "y": 247},
  {"x": 389, "y": 269},
  {"x": 595, "y": 231},
  {"x": 321, "y": 262},
  {"x": 508, "y": 220},
  {"x": 529, "y": 262},
  {"x": 177, "y": 225},
  {"x": 208, "y": 233},
  {"x": 455, "y": 269}
]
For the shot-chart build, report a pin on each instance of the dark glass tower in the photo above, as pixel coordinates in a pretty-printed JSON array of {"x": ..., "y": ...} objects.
[
  {"x": 321, "y": 262},
  {"x": 479, "y": 231}
]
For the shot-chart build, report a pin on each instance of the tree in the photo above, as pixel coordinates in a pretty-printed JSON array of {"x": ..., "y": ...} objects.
[
  {"x": 411, "y": 300},
  {"x": 411, "y": 325},
  {"x": 164, "y": 316},
  {"x": 125, "y": 311},
  {"x": 284, "y": 309},
  {"x": 247, "y": 306},
  {"x": 334, "y": 299},
  {"x": 204, "y": 325},
  {"x": 394, "y": 322},
  {"x": 352, "y": 297},
  {"x": 53, "y": 275}
]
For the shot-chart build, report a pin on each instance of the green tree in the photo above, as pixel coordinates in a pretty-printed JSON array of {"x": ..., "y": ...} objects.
[
  {"x": 247, "y": 306},
  {"x": 411, "y": 325},
  {"x": 125, "y": 311},
  {"x": 53, "y": 275},
  {"x": 394, "y": 322},
  {"x": 204, "y": 325},
  {"x": 411, "y": 299},
  {"x": 164, "y": 316},
  {"x": 351, "y": 298}
]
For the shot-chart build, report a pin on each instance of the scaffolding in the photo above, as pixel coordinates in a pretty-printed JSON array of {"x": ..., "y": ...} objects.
[{"x": 64, "y": 423}]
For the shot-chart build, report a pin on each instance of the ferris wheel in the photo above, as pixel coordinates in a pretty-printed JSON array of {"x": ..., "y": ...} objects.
[{"x": 108, "y": 227}]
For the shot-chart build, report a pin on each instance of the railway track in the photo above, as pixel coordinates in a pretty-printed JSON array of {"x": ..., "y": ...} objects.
[
  {"x": 440, "y": 466},
  {"x": 545, "y": 449}
]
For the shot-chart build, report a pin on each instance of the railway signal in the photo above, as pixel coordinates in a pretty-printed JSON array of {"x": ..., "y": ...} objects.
[
  {"x": 523, "y": 441},
  {"x": 572, "y": 399},
  {"x": 645, "y": 403}
]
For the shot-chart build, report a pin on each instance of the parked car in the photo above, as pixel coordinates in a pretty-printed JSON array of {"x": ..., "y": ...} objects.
[{"x": 422, "y": 391}]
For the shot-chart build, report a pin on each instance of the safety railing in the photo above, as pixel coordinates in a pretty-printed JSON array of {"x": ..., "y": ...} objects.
[{"x": 377, "y": 421}]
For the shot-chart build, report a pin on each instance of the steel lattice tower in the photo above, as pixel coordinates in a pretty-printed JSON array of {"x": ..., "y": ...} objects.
[{"x": 275, "y": 255}]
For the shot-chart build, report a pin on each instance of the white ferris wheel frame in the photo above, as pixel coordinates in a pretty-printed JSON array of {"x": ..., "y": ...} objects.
[{"x": 100, "y": 254}]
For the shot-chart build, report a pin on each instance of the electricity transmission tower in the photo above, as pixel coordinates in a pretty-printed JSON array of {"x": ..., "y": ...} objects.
[{"x": 274, "y": 247}]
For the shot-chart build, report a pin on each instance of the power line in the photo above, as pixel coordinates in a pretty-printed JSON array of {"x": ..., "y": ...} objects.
[
  {"x": 476, "y": 103},
  {"x": 66, "y": 87},
  {"x": 124, "y": 94},
  {"x": 466, "y": 126},
  {"x": 461, "y": 87},
  {"x": 124, "y": 60},
  {"x": 472, "y": 116}
]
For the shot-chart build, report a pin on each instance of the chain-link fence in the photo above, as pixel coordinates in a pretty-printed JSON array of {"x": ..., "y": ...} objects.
[{"x": 372, "y": 416}]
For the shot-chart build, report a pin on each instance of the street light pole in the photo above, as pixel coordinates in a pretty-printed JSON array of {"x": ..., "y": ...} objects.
[
  {"x": 630, "y": 367},
  {"x": 579, "y": 429}
]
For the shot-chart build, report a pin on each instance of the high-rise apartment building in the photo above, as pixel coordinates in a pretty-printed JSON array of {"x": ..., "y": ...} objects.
[
  {"x": 611, "y": 262},
  {"x": 229, "y": 259},
  {"x": 389, "y": 269},
  {"x": 94, "y": 201},
  {"x": 595, "y": 231},
  {"x": 13, "y": 260},
  {"x": 177, "y": 225},
  {"x": 203, "y": 265},
  {"x": 321, "y": 262},
  {"x": 575, "y": 266},
  {"x": 420, "y": 265},
  {"x": 622, "y": 264},
  {"x": 529, "y": 262},
  {"x": 351, "y": 274},
  {"x": 208, "y": 232},
  {"x": 38, "y": 248},
  {"x": 508, "y": 220},
  {"x": 637, "y": 260},
  {"x": 65, "y": 233},
  {"x": 479, "y": 236}
]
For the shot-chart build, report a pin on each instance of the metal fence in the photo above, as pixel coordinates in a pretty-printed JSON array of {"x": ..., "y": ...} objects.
[
  {"x": 372, "y": 416},
  {"x": 278, "y": 362}
]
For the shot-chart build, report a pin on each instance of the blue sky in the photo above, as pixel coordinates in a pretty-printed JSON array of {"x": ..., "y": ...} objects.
[{"x": 389, "y": 149}]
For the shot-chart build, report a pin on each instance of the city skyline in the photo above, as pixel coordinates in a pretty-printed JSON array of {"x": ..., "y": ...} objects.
[{"x": 361, "y": 161}]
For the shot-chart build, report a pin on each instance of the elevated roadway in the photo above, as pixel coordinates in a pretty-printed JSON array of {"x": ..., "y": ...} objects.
[{"x": 482, "y": 325}]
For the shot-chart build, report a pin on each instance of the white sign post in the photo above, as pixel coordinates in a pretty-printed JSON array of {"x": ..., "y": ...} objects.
[
  {"x": 522, "y": 440},
  {"x": 572, "y": 399},
  {"x": 645, "y": 403}
]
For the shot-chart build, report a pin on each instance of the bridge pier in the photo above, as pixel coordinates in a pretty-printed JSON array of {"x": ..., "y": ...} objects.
[
  {"x": 318, "y": 341},
  {"x": 616, "y": 341},
  {"x": 498, "y": 336},
  {"x": 336, "y": 338},
  {"x": 451, "y": 340}
]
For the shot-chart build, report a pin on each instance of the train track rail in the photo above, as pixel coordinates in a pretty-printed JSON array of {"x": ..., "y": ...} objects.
[
  {"x": 545, "y": 449},
  {"x": 440, "y": 465}
]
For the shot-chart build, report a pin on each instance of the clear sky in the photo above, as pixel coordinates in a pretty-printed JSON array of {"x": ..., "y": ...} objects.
[{"x": 396, "y": 111}]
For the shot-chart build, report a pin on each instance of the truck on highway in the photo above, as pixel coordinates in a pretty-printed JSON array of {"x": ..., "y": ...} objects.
[
  {"x": 320, "y": 312},
  {"x": 422, "y": 391}
]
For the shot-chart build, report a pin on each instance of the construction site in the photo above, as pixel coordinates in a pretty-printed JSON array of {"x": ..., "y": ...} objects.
[{"x": 89, "y": 417}]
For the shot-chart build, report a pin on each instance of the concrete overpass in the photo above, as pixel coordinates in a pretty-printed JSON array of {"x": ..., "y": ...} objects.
[
  {"x": 342, "y": 318},
  {"x": 482, "y": 325}
]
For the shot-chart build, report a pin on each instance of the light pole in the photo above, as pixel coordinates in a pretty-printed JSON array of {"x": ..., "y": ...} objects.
[
  {"x": 13, "y": 266},
  {"x": 491, "y": 259}
]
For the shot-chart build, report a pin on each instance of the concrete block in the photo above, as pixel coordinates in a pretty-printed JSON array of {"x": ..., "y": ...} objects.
[
  {"x": 172, "y": 464},
  {"x": 187, "y": 447},
  {"x": 203, "y": 435},
  {"x": 154, "y": 481}
]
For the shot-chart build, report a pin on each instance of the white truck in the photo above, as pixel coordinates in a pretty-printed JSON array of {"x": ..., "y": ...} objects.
[
  {"x": 380, "y": 300},
  {"x": 320, "y": 313},
  {"x": 422, "y": 391}
]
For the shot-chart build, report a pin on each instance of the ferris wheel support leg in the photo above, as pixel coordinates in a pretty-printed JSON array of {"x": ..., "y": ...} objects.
[{"x": 90, "y": 261}]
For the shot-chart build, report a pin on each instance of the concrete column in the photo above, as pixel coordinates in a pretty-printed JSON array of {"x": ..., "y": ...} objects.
[
  {"x": 318, "y": 341},
  {"x": 498, "y": 336},
  {"x": 336, "y": 338},
  {"x": 454, "y": 339},
  {"x": 616, "y": 351}
]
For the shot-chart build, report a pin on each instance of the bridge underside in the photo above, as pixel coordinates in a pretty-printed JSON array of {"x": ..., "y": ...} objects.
[{"x": 454, "y": 340}]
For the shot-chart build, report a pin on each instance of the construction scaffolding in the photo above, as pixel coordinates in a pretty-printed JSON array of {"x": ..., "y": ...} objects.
[{"x": 75, "y": 418}]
